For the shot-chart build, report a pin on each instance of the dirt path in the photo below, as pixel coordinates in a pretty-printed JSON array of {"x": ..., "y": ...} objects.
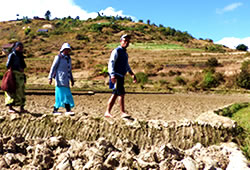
[{"x": 141, "y": 106}]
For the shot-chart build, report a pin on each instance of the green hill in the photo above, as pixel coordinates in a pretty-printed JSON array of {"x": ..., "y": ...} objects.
[{"x": 164, "y": 58}]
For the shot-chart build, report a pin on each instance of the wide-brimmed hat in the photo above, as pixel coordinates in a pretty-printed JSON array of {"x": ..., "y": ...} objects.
[{"x": 65, "y": 46}]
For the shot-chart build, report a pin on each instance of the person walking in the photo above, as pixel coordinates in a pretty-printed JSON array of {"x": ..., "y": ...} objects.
[
  {"x": 118, "y": 66},
  {"x": 61, "y": 71},
  {"x": 17, "y": 64}
]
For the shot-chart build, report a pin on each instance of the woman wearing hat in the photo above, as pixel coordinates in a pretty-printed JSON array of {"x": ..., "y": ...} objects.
[
  {"x": 17, "y": 64},
  {"x": 61, "y": 71}
]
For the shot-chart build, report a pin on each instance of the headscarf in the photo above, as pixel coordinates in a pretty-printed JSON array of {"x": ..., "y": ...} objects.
[{"x": 16, "y": 45}]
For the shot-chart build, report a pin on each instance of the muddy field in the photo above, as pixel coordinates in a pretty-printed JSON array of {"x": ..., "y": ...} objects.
[{"x": 140, "y": 106}]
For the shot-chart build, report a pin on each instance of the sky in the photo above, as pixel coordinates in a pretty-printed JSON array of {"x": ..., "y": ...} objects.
[{"x": 226, "y": 22}]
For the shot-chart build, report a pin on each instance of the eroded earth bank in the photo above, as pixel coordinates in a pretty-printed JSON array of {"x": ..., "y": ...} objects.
[{"x": 177, "y": 131}]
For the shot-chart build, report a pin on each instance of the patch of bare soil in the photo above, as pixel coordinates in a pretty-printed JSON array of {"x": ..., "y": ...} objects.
[{"x": 140, "y": 106}]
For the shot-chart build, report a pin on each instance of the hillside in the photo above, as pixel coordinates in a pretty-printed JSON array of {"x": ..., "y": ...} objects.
[{"x": 165, "y": 58}]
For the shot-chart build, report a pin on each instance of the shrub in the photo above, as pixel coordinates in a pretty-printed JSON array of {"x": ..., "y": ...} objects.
[
  {"x": 163, "y": 82},
  {"x": 215, "y": 48},
  {"x": 245, "y": 66},
  {"x": 212, "y": 62},
  {"x": 104, "y": 71},
  {"x": 96, "y": 27},
  {"x": 181, "y": 38},
  {"x": 141, "y": 77},
  {"x": 243, "y": 80},
  {"x": 172, "y": 73},
  {"x": 219, "y": 77},
  {"x": 26, "y": 20},
  {"x": 58, "y": 24},
  {"x": 193, "y": 85},
  {"x": 101, "y": 69},
  {"x": 27, "y": 31},
  {"x": 162, "y": 74},
  {"x": 209, "y": 81},
  {"x": 82, "y": 37},
  {"x": 230, "y": 110},
  {"x": 180, "y": 80},
  {"x": 141, "y": 28},
  {"x": 209, "y": 69}
]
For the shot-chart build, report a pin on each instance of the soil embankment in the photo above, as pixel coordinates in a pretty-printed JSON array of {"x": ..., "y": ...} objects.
[{"x": 167, "y": 132}]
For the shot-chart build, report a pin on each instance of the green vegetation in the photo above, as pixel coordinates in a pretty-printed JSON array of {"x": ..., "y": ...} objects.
[
  {"x": 154, "y": 46},
  {"x": 242, "y": 117},
  {"x": 212, "y": 79},
  {"x": 27, "y": 30},
  {"x": 215, "y": 48},
  {"x": 243, "y": 80},
  {"x": 240, "y": 112},
  {"x": 141, "y": 77},
  {"x": 231, "y": 110}
]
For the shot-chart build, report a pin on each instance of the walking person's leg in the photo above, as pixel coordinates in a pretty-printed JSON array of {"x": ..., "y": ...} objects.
[
  {"x": 121, "y": 102},
  {"x": 111, "y": 103},
  {"x": 67, "y": 107},
  {"x": 68, "y": 110},
  {"x": 122, "y": 107},
  {"x": 57, "y": 101}
]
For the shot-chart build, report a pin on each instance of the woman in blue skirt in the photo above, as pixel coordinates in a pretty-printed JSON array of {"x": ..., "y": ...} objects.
[{"x": 61, "y": 71}]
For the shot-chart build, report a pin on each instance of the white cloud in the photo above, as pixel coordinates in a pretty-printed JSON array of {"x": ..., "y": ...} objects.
[
  {"x": 111, "y": 12},
  {"x": 58, "y": 8},
  {"x": 233, "y": 42},
  {"x": 228, "y": 8},
  {"x": 31, "y": 8}
]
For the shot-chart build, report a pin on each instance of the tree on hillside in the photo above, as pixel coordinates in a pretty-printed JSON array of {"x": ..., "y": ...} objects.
[
  {"x": 47, "y": 15},
  {"x": 242, "y": 47},
  {"x": 148, "y": 22},
  {"x": 26, "y": 20}
]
